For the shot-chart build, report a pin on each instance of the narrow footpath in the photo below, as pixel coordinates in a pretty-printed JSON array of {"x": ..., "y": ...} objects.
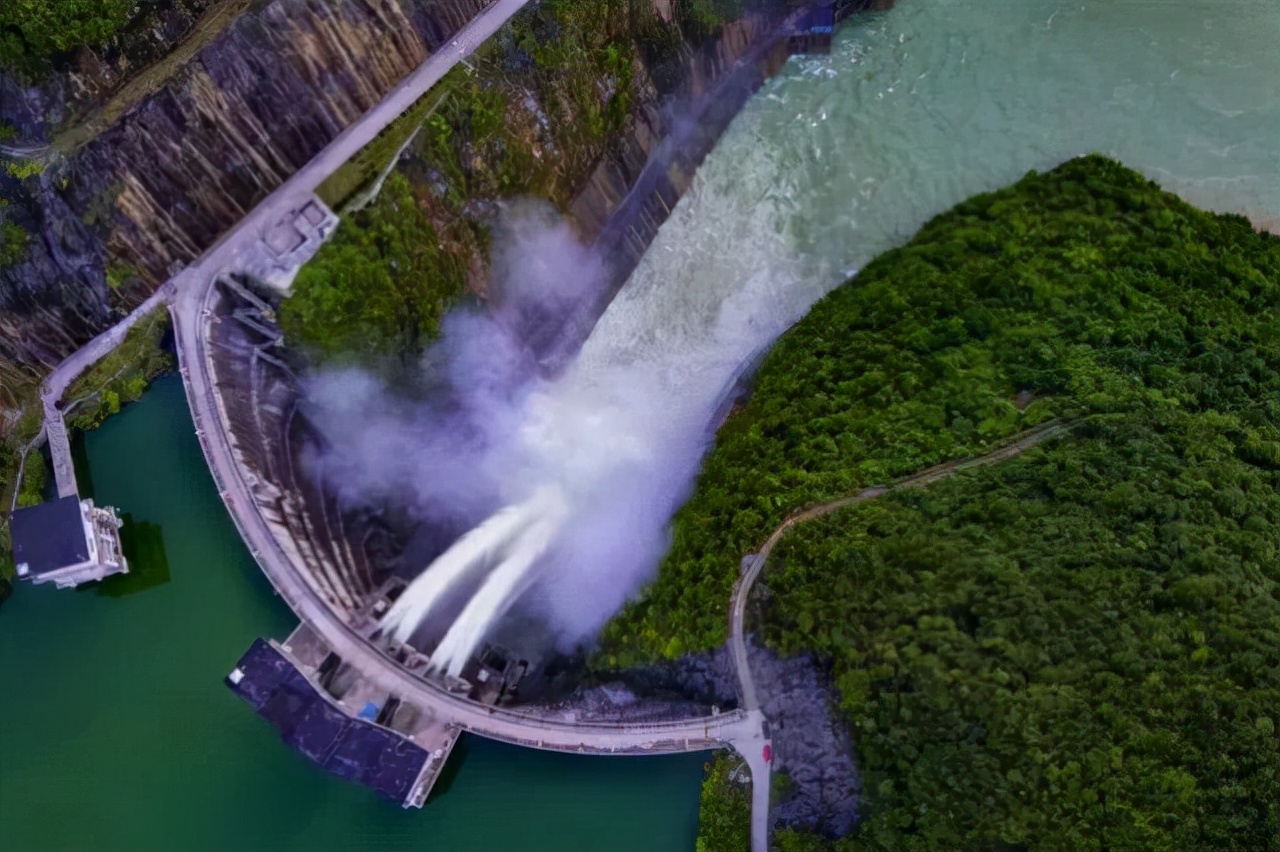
[{"x": 56, "y": 383}]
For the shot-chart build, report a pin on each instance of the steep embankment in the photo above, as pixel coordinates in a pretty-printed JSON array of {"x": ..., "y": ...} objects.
[
  {"x": 111, "y": 219},
  {"x": 1074, "y": 647},
  {"x": 602, "y": 107},
  {"x": 160, "y": 146}
]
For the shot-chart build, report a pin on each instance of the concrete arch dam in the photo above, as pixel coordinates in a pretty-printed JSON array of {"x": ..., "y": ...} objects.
[{"x": 359, "y": 709}]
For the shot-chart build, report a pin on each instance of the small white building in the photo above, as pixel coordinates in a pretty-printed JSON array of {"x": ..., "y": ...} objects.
[{"x": 68, "y": 541}]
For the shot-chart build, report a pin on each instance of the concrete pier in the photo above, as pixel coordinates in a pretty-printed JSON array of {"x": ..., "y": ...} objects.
[{"x": 342, "y": 721}]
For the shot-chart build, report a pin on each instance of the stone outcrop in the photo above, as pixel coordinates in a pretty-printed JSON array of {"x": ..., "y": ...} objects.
[{"x": 157, "y": 187}]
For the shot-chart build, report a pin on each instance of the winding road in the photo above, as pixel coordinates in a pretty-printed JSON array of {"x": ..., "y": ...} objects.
[{"x": 754, "y": 564}]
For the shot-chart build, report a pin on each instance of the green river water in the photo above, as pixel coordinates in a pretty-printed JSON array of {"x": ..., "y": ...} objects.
[{"x": 118, "y": 733}]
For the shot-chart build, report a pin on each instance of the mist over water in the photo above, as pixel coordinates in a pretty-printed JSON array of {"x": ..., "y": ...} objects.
[
  {"x": 838, "y": 159},
  {"x": 562, "y": 486}
]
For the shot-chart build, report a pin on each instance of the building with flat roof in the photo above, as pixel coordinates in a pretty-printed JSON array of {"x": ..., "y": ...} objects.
[{"x": 68, "y": 541}]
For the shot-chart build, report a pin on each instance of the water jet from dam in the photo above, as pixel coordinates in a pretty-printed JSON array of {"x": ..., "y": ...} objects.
[
  {"x": 505, "y": 548},
  {"x": 581, "y": 472}
]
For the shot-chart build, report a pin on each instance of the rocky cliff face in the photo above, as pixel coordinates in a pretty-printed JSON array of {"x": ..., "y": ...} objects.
[
  {"x": 158, "y": 186},
  {"x": 124, "y": 203},
  {"x": 82, "y": 83}
]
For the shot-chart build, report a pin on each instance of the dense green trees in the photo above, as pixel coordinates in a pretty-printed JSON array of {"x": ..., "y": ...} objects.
[
  {"x": 1078, "y": 293},
  {"x": 32, "y": 31},
  {"x": 724, "y": 818},
  {"x": 1072, "y": 649},
  {"x": 379, "y": 287}
]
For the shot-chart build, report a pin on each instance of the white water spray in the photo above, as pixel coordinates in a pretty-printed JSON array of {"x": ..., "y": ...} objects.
[
  {"x": 478, "y": 550},
  {"x": 602, "y": 456},
  {"x": 617, "y": 436},
  {"x": 516, "y": 572}
]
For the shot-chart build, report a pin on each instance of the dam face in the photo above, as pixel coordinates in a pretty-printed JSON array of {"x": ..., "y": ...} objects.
[{"x": 352, "y": 559}]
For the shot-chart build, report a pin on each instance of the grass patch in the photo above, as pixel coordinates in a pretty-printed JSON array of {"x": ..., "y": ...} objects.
[
  {"x": 13, "y": 243},
  {"x": 23, "y": 169},
  {"x": 372, "y": 160}
]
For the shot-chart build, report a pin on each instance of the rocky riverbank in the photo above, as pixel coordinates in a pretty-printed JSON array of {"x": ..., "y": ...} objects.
[{"x": 819, "y": 789}]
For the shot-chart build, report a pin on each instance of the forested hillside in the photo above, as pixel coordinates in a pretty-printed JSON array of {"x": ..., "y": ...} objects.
[
  {"x": 1075, "y": 648},
  {"x": 533, "y": 114}
]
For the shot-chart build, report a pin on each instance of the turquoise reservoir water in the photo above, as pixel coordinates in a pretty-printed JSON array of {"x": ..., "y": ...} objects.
[
  {"x": 844, "y": 156},
  {"x": 117, "y": 732}
]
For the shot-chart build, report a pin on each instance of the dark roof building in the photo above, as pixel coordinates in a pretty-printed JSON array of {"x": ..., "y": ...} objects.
[
  {"x": 67, "y": 541},
  {"x": 349, "y": 747}
]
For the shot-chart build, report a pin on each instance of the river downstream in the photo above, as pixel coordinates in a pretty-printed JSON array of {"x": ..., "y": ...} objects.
[{"x": 119, "y": 734}]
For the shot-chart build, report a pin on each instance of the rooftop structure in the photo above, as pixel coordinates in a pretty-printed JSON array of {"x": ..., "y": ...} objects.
[
  {"x": 374, "y": 739},
  {"x": 68, "y": 541},
  {"x": 291, "y": 241}
]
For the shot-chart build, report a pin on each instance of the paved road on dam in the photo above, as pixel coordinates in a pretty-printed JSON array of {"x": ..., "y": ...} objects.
[
  {"x": 189, "y": 296},
  {"x": 190, "y": 309},
  {"x": 740, "y": 728}
]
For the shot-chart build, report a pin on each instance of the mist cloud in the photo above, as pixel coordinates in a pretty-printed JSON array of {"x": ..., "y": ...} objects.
[{"x": 615, "y": 438}]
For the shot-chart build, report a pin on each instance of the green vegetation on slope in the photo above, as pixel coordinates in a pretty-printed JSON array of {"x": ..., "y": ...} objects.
[
  {"x": 1075, "y": 293},
  {"x": 1072, "y": 649},
  {"x": 33, "y": 31},
  {"x": 34, "y": 475},
  {"x": 1075, "y": 648},
  {"x": 379, "y": 287},
  {"x": 532, "y": 114},
  {"x": 13, "y": 242},
  {"x": 724, "y": 817},
  {"x": 122, "y": 376}
]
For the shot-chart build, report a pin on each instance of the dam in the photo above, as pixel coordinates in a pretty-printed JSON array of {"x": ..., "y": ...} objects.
[
  {"x": 350, "y": 683},
  {"x": 881, "y": 225}
]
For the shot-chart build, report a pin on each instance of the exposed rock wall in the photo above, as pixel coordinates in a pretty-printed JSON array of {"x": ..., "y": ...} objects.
[
  {"x": 159, "y": 186},
  {"x": 88, "y": 77},
  {"x": 152, "y": 190}
]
